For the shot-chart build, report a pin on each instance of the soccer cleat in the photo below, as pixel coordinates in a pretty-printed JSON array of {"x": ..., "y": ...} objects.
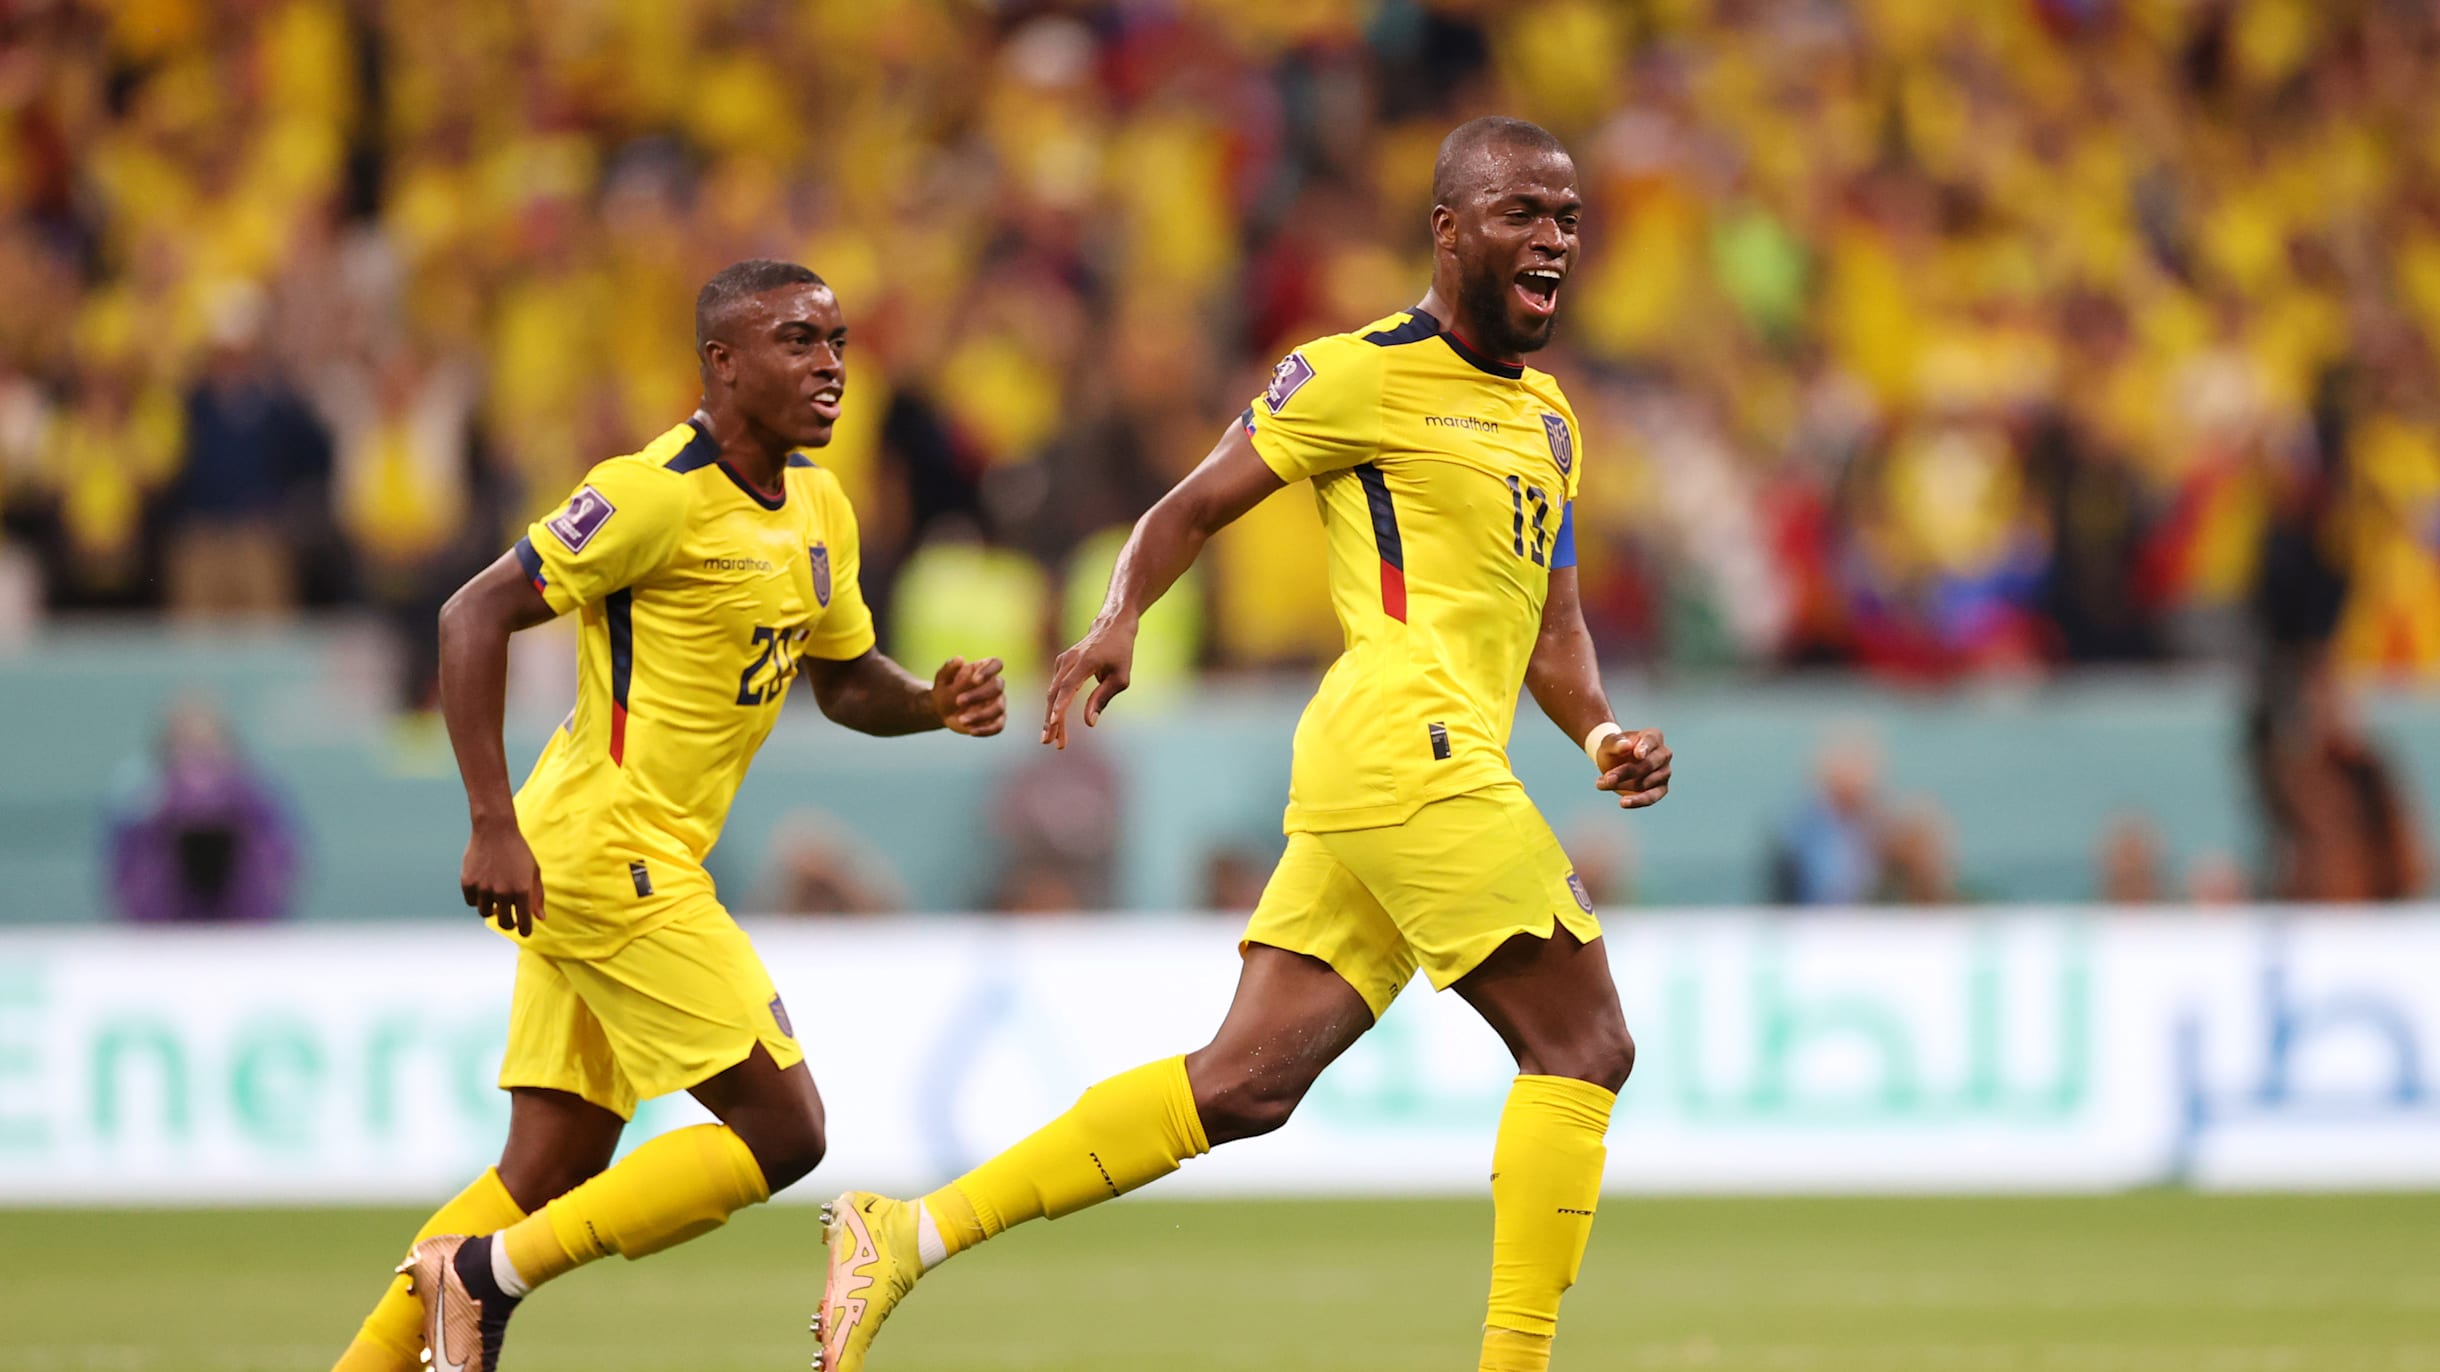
[
  {"x": 873, "y": 1264},
  {"x": 462, "y": 1332}
]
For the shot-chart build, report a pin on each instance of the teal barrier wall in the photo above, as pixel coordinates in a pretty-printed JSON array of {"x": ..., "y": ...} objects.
[{"x": 2029, "y": 777}]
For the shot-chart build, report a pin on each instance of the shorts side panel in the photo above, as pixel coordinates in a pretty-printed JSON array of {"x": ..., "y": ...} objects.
[
  {"x": 1315, "y": 906},
  {"x": 1466, "y": 874},
  {"x": 556, "y": 1043},
  {"x": 684, "y": 1002}
]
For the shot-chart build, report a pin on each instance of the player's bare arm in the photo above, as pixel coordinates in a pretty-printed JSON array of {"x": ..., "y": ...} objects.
[
  {"x": 1228, "y": 482},
  {"x": 1565, "y": 678},
  {"x": 873, "y": 695},
  {"x": 499, "y": 877}
]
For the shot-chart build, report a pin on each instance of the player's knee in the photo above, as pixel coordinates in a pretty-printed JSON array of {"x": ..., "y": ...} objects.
[
  {"x": 1608, "y": 1057},
  {"x": 1246, "y": 1107},
  {"x": 789, "y": 1149},
  {"x": 535, "y": 1182},
  {"x": 1601, "y": 1053}
]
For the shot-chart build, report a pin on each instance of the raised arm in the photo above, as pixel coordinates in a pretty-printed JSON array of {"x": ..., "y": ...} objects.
[
  {"x": 871, "y": 694},
  {"x": 1166, "y": 541},
  {"x": 1565, "y": 678},
  {"x": 499, "y": 877}
]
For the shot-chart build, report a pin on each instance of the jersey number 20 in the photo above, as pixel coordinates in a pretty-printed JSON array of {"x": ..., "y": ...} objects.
[
  {"x": 1519, "y": 496},
  {"x": 778, "y": 652}
]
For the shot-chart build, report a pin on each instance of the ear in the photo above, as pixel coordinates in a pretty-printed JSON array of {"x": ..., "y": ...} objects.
[
  {"x": 719, "y": 362},
  {"x": 1444, "y": 228}
]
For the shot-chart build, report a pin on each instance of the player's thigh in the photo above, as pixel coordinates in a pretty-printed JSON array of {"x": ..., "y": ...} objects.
[
  {"x": 1315, "y": 906},
  {"x": 556, "y": 1042},
  {"x": 685, "y": 1001},
  {"x": 1465, "y": 875}
]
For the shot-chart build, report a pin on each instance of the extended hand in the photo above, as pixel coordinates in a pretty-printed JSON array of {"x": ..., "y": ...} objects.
[
  {"x": 1635, "y": 765},
  {"x": 1105, "y": 654},
  {"x": 500, "y": 878},
  {"x": 970, "y": 697}
]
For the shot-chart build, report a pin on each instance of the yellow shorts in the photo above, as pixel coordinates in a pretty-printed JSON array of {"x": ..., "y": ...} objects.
[
  {"x": 1442, "y": 891},
  {"x": 676, "y": 1006}
]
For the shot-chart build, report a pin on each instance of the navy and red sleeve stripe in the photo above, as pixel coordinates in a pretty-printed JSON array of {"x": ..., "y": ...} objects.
[
  {"x": 1385, "y": 535},
  {"x": 531, "y": 561}
]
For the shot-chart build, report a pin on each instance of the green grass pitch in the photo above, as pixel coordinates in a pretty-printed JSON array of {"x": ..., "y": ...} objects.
[{"x": 2155, "y": 1282}]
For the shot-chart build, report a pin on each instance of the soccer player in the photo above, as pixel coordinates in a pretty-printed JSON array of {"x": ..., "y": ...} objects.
[
  {"x": 1445, "y": 470},
  {"x": 710, "y": 570}
]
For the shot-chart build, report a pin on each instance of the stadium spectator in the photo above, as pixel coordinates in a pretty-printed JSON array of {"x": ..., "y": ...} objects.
[
  {"x": 815, "y": 869},
  {"x": 1940, "y": 340},
  {"x": 2339, "y": 825},
  {"x": 196, "y": 834},
  {"x": 253, "y": 450},
  {"x": 2216, "y": 879},
  {"x": 1918, "y": 857},
  {"x": 2129, "y": 861},
  {"x": 1830, "y": 852},
  {"x": 1057, "y": 818}
]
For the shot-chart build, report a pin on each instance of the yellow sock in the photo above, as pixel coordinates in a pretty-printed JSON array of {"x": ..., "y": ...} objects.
[
  {"x": 685, "y": 1183},
  {"x": 391, "y": 1338},
  {"x": 1545, "y": 1185},
  {"x": 1137, "y": 1127}
]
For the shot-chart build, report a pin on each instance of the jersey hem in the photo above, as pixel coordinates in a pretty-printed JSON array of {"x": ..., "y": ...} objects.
[{"x": 1309, "y": 819}]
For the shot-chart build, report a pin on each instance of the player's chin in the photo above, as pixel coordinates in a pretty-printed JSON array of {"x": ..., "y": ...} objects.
[
  {"x": 815, "y": 435},
  {"x": 1528, "y": 332}
]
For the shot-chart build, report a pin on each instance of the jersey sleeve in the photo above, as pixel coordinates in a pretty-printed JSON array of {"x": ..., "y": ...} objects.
[
  {"x": 619, "y": 527},
  {"x": 1563, "y": 545},
  {"x": 1322, "y": 411},
  {"x": 1576, "y": 455},
  {"x": 846, "y": 627}
]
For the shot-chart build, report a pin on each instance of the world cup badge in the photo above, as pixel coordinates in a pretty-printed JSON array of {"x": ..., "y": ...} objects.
[
  {"x": 1291, "y": 374},
  {"x": 588, "y": 510}
]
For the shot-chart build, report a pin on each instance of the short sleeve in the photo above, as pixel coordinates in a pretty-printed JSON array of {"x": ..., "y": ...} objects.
[
  {"x": 621, "y": 526},
  {"x": 1563, "y": 545},
  {"x": 1322, "y": 411},
  {"x": 1575, "y": 455},
  {"x": 845, "y": 629}
]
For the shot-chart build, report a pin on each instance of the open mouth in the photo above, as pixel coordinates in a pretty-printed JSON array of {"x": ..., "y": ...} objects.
[
  {"x": 826, "y": 402},
  {"x": 1538, "y": 287}
]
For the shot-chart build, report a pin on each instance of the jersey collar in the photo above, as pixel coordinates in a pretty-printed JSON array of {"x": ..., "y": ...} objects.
[
  {"x": 704, "y": 451},
  {"x": 1511, "y": 370}
]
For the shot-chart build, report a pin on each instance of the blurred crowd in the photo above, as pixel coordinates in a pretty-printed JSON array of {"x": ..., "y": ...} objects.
[{"x": 1940, "y": 339}]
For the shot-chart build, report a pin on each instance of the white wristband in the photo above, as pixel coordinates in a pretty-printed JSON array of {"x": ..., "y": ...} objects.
[{"x": 1602, "y": 733}]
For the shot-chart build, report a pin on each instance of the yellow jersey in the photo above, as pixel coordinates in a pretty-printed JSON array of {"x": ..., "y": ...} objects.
[
  {"x": 699, "y": 593},
  {"x": 1446, "y": 482}
]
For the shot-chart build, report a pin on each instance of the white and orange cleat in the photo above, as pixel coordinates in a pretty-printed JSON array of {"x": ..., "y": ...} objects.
[
  {"x": 874, "y": 1263},
  {"x": 463, "y": 1328}
]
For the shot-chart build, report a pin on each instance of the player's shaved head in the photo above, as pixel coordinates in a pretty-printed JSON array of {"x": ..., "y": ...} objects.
[
  {"x": 718, "y": 303},
  {"x": 1470, "y": 155}
]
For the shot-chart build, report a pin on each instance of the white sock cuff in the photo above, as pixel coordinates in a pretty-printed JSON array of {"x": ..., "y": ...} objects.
[
  {"x": 512, "y": 1283},
  {"x": 930, "y": 1248}
]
